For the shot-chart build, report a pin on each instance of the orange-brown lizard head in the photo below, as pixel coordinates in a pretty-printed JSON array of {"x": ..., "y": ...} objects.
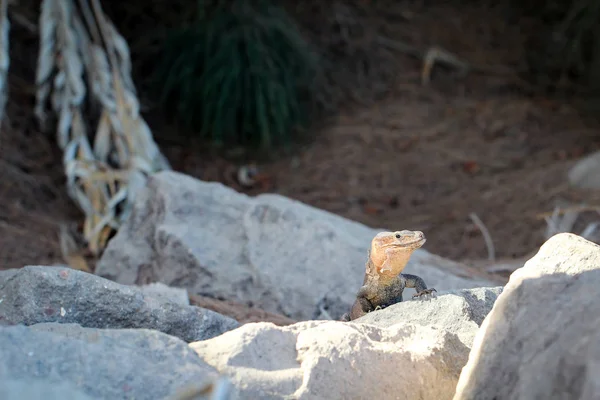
[{"x": 390, "y": 251}]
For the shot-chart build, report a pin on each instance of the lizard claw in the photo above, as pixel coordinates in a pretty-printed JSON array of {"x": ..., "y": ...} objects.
[
  {"x": 378, "y": 308},
  {"x": 424, "y": 292}
]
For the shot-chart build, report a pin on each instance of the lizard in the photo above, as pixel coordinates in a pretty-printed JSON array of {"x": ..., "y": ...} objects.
[{"x": 384, "y": 281}]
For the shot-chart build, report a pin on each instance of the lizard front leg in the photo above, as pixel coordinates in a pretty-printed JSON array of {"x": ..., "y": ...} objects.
[
  {"x": 362, "y": 305},
  {"x": 363, "y": 299},
  {"x": 416, "y": 282}
]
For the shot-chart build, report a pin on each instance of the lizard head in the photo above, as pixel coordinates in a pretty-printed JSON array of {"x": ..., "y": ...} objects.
[{"x": 390, "y": 251}]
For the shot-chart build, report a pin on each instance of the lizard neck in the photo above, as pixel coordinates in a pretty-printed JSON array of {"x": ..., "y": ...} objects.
[
  {"x": 374, "y": 276},
  {"x": 390, "y": 261},
  {"x": 385, "y": 264}
]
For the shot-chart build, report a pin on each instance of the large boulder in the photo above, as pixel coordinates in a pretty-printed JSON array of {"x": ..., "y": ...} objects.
[
  {"x": 542, "y": 338},
  {"x": 35, "y": 294},
  {"x": 268, "y": 251},
  {"x": 337, "y": 360},
  {"x": 83, "y": 363},
  {"x": 411, "y": 350}
]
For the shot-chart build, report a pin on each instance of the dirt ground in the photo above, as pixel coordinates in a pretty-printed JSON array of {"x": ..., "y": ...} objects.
[
  {"x": 426, "y": 157},
  {"x": 428, "y": 161}
]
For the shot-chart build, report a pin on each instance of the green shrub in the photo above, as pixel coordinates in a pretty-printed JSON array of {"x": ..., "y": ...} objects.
[{"x": 241, "y": 74}]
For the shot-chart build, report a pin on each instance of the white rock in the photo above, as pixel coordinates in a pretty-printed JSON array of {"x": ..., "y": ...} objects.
[
  {"x": 337, "y": 360},
  {"x": 542, "y": 338}
]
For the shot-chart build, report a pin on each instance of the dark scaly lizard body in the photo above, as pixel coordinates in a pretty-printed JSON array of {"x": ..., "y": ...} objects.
[{"x": 384, "y": 281}]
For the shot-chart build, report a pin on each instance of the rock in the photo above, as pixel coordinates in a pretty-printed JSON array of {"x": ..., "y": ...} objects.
[
  {"x": 166, "y": 293},
  {"x": 35, "y": 294},
  {"x": 268, "y": 251},
  {"x": 585, "y": 173},
  {"x": 34, "y": 389},
  {"x": 103, "y": 364},
  {"x": 459, "y": 312},
  {"x": 542, "y": 338},
  {"x": 337, "y": 360}
]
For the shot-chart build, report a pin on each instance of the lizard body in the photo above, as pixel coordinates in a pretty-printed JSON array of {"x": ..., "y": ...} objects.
[{"x": 384, "y": 281}]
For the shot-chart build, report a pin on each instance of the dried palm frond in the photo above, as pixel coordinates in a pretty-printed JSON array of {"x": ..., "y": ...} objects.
[
  {"x": 71, "y": 250},
  {"x": 83, "y": 57}
]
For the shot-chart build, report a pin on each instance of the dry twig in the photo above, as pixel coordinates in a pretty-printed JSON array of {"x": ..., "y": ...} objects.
[{"x": 486, "y": 236}]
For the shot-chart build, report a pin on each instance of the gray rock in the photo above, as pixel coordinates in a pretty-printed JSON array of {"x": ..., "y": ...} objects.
[
  {"x": 542, "y": 338},
  {"x": 166, "y": 293},
  {"x": 32, "y": 389},
  {"x": 35, "y": 294},
  {"x": 278, "y": 254},
  {"x": 104, "y": 364},
  {"x": 460, "y": 312}
]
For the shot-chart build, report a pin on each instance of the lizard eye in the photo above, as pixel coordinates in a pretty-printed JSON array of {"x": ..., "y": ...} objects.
[{"x": 397, "y": 236}]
